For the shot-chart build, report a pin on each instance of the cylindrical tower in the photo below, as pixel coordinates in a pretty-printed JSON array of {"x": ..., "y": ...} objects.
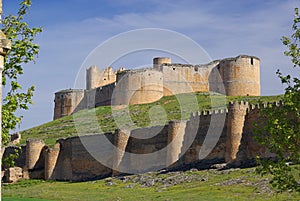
[
  {"x": 161, "y": 60},
  {"x": 120, "y": 141},
  {"x": 34, "y": 148},
  {"x": 92, "y": 77},
  {"x": 67, "y": 102},
  {"x": 138, "y": 87},
  {"x": 50, "y": 160},
  {"x": 241, "y": 75},
  {"x": 236, "y": 119},
  {"x": 176, "y": 131}
]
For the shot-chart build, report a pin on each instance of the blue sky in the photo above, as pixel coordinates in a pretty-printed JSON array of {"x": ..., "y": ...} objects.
[{"x": 73, "y": 28}]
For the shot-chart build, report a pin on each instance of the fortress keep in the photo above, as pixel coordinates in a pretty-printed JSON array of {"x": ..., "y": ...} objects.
[{"x": 239, "y": 76}]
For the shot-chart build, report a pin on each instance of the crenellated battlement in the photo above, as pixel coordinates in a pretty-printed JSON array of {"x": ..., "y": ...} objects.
[{"x": 264, "y": 105}]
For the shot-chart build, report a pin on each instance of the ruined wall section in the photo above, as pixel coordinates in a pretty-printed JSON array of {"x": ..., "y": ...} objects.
[
  {"x": 138, "y": 87},
  {"x": 67, "y": 102},
  {"x": 107, "y": 76},
  {"x": 96, "y": 78},
  {"x": 21, "y": 151},
  {"x": 241, "y": 75}
]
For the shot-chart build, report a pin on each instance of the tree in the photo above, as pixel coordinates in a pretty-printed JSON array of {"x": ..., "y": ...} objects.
[
  {"x": 23, "y": 51},
  {"x": 281, "y": 133}
]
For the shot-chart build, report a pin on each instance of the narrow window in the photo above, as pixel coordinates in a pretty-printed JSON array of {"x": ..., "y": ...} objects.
[
  {"x": 104, "y": 78},
  {"x": 251, "y": 61}
]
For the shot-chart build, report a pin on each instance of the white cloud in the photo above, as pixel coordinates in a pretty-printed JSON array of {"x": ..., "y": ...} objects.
[{"x": 223, "y": 29}]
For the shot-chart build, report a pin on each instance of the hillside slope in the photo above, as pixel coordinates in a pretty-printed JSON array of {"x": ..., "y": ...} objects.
[{"x": 103, "y": 119}]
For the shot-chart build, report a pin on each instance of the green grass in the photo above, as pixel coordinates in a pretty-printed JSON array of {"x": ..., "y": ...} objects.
[
  {"x": 214, "y": 187},
  {"x": 23, "y": 199},
  {"x": 103, "y": 119}
]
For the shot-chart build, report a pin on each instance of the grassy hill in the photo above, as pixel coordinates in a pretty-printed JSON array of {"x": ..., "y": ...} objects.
[{"x": 168, "y": 108}]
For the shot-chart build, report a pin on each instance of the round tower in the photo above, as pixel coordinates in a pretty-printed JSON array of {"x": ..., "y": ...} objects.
[
  {"x": 235, "y": 124},
  {"x": 138, "y": 87},
  {"x": 68, "y": 101},
  {"x": 241, "y": 75},
  {"x": 161, "y": 60},
  {"x": 92, "y": 77},
  {"x": 51, "y": 157},
  {"x": 34, "y": 148}
]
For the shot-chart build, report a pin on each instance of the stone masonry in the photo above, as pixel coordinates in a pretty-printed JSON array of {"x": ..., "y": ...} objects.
[
  {"x": 239, "y": 76},
  {"x": 69, "y": 160}
]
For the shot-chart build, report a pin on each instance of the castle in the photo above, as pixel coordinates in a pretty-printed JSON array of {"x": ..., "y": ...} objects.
[
  {"x": 180, "y": 144},
  {"x": 239, "y": 76}
]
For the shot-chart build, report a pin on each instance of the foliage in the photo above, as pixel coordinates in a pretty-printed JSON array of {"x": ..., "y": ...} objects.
[
  {"x": 281, "y": 134},
  {"x": 23, "y": 51},
  {"x": 10, "y": 159}
]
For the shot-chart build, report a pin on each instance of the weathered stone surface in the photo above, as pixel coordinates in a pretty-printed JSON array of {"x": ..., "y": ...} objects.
[
  {"x": 93, "y": 156},
  {"x": 2, "y": 174},
  {"x": 236, "y": 114},
  {"x": 12, "y": 150},
  {"x": 219, "y": 166},
  {"x": 13, "y": 174},
  {"x": 67, "y": 101},
  {"x": 26, "y": 174},
  {"x": 36, "y": 174},
  {"x": 51, "y": 160},
  {"x": 239, "y": 76},
  {"x": 15, "y": 138},
  {"x": 34, "y": 154}
]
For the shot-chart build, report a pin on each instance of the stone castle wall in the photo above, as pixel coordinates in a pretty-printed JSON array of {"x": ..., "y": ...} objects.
[
  {"x": 238, "y": 76},
  {"x": 229, "y": 132},
  {"x": 184, "y": 78},
  {"x": 138, "y": 87},
  {"x": 98, "y": 96},
  {"x": 96, "y": 78}
]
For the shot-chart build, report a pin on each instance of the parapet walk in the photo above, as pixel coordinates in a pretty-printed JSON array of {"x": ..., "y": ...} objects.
[{"x": 208, "y": 137}]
